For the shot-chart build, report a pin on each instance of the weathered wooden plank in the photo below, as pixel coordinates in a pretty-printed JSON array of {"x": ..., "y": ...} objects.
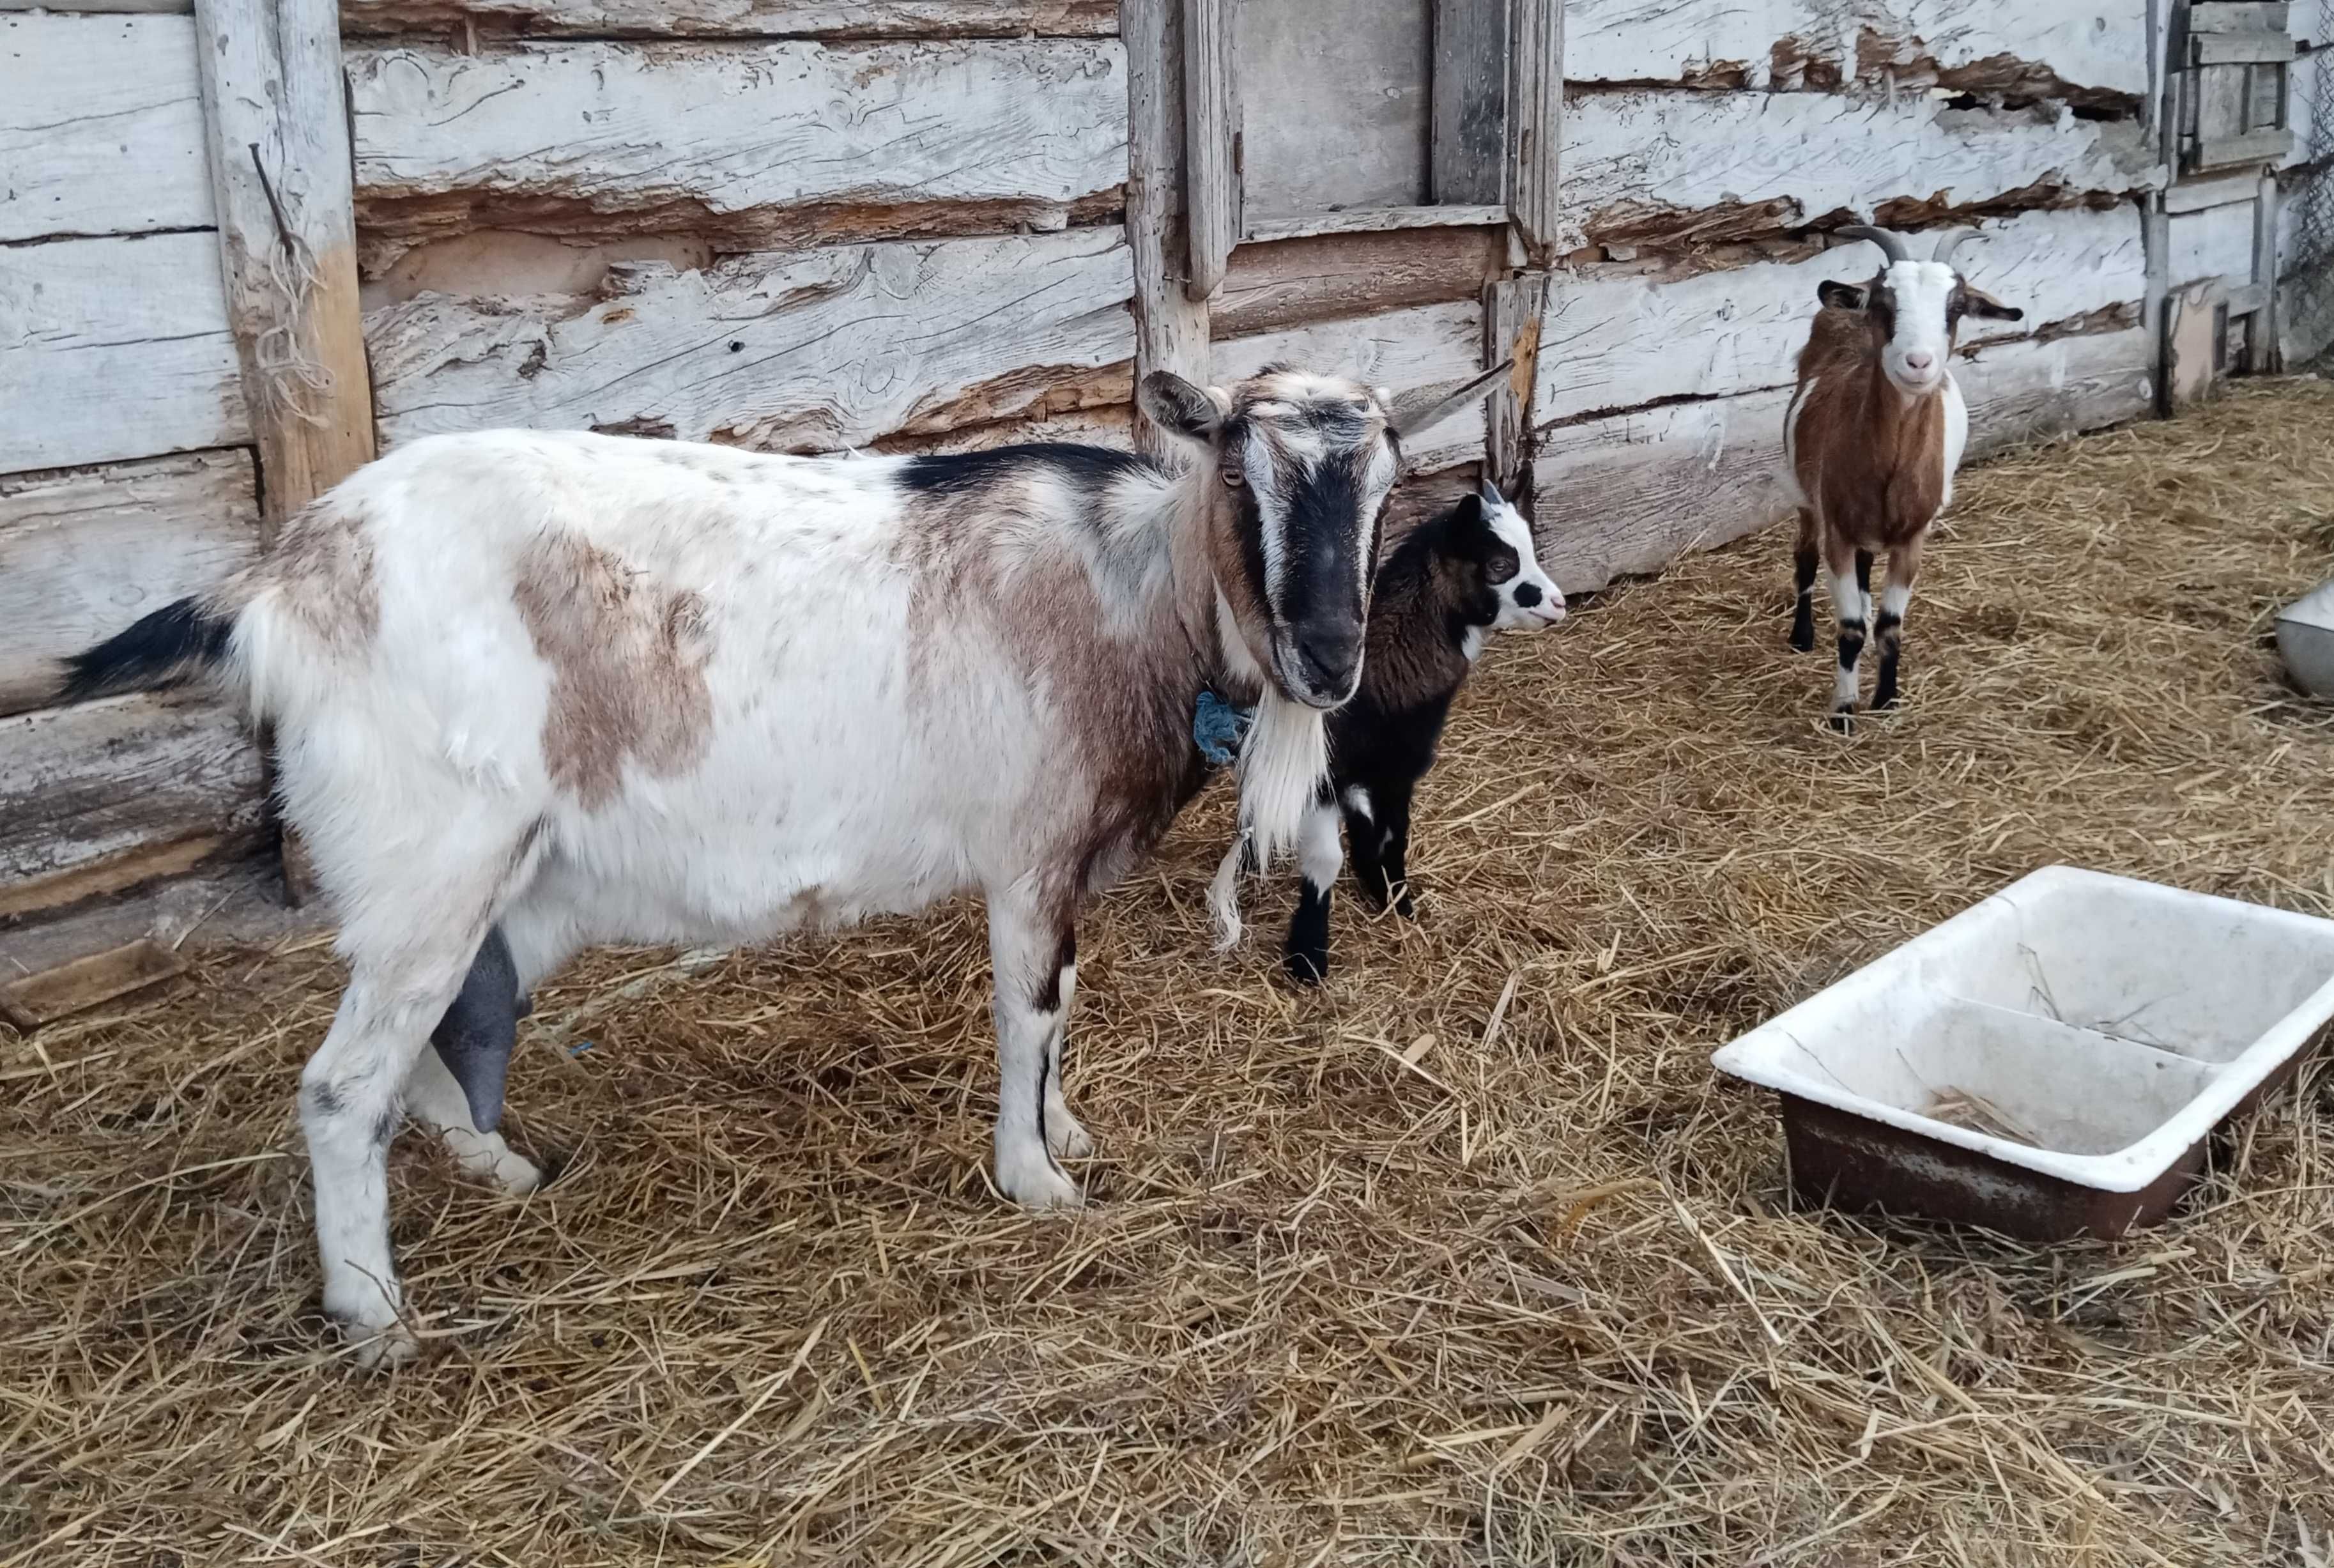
[
  {"x": 1374, "y": 220},
  {"x": 1215, "y": 195},
  {"x": 2239, "y": 48},
  {"x": 1333, "y": 106},
  {"x": 1626, "y": 494},
  {"x": 1288, "y": 281},
  {"x": 86, "y": 551},
  {"x": 754, "y": 144},
  {"x": 95, "y": 798},
  {"x": 802, "y": 352},
  {"x": 115, "y": 348},
  {"x": 1467, "y": 138},
  {"x": 2238, "y": 16},
  {"x": 1618, "y": 337},
  {"x": 1536, "y": 117},
  {"x": 272, "y": 91},
  {"x": 1732, "y": 165},
  {"x": 2216, "y": 242},
  {"x": 100, "y": 127},
  {"x": 1424, "y": 345},
  {"x": 50, "y": 994},
  {"x": 1778, "y": 45},
  {"x": 1170, "y": 327},
  {"x": 104, "y": 7},
  {"x": 735, "y": 18}
]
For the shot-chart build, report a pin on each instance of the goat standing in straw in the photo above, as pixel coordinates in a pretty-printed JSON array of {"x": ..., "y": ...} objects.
[
  {"x": 534, "y": 692},
  {"x": 1870, "y": 443}
]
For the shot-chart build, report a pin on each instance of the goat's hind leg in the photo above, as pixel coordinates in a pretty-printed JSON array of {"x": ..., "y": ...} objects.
[{"x": 1803, "y": 584}]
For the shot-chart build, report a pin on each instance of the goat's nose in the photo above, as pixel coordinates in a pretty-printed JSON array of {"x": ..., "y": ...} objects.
[
  {"x": 1331, "y": 649},
  {"x": 1919, "y": 361}
]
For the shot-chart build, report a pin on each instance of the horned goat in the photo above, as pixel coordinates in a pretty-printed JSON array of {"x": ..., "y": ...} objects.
[
  {"x": 1871, "y": 441},
  {"x": 533, "y": 691}
]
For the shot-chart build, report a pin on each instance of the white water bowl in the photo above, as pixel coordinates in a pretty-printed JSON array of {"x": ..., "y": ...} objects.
[
  {"x": 2047, "y": 1062},
  {"x": 2305, "y": 640}
]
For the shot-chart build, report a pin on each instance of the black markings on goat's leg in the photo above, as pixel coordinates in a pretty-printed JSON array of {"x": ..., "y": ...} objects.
[
  {"x": 1887, "y": 631},
  {"x": 1803, "y": 602},
  {"x": 1864, "y": 573}
]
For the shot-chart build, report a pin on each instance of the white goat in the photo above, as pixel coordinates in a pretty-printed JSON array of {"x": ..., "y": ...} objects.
[{"x": 533, "y": 691}]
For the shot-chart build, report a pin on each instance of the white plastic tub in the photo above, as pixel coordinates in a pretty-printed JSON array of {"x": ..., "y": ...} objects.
[
  {"x": 2305, "y": 639},
  {"x": 2046, "y": 1063}
]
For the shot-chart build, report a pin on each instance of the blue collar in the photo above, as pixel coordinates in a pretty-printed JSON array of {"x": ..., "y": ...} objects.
[{"x": 1218, "y": 728}]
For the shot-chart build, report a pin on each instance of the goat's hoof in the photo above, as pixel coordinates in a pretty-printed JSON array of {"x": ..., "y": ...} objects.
[
  {"x": 1405, "y": 907},
  {"x": 1064, "y": 1136},
  {"x": 377, "y": 1347},
  {"x": 516, "y": 1174},
  {"x": 1884, "y": 700},
  {"x": 1307, "y": 965},
  {"x": 1034, "y": 1182},
  {"x": 1803, "y": 639},
  {"x": 1843, "y": 720}
]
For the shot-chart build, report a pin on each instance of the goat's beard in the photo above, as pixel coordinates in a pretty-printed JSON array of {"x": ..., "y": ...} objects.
[{"x": 1282, "y": 765}]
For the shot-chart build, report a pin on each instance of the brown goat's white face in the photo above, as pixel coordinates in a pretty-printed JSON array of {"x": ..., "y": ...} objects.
[
  {"x": 1306, "y": 461},
  {"x": 1915, "y": 307}
]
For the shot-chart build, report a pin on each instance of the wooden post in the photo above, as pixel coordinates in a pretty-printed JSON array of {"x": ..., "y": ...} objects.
[
  {"x": 1467, "y": 146},
  {"x": 1212, "y": 142},
  {"x": 277, "y": 108},
  {"x": 1535, "y": 120},
  {"x": 2263, "y": 354},
  {"x": 1170, "y": 327},
  {"x": 1512, "y": 308}
]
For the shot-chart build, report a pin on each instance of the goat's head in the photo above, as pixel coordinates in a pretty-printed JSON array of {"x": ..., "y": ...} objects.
[
  {"x": 1301, "y": 465},
  {"x": 1913, "y": 308},
  {"x": 1502, "y": 587}
]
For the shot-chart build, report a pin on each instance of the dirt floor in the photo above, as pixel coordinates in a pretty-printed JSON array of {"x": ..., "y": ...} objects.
[{"x": 1467, "y": 1258}]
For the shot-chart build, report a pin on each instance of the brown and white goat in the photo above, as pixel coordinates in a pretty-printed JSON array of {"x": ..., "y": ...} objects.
[
  {"x": 1870, "y": 443},
  {"x": 537, "y": 690}
]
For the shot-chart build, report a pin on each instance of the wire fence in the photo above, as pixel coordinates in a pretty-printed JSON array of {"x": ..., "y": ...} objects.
[{"x": 2311, "y": 268}]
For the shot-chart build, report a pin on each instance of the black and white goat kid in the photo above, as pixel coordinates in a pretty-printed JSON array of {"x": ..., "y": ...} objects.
[
  {"x": 535, "y": 691},
  {"x": 1440, "y": 594}
]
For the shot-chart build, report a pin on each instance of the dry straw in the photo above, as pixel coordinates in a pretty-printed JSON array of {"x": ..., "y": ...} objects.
[{"x": 1466, "y": 1259}]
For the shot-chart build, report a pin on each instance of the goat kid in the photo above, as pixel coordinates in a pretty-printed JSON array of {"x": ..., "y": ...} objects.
[
  {"x": 1453, "y": 581},
  {"x": 1871, "y": 441},
  {"x": 534, "y": 692}
]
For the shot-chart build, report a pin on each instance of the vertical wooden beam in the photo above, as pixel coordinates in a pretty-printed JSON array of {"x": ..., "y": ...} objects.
[
  {"x": 1170, "y": 327},
  {"x": 277, "y": 111},
  {"x": 2158, "y": 312},
  {"x": 1212, "y": 142},
  {"x": 1467, "y": 161},
  {"x": 1535, "y": 120},
  {"x": 2263, "y": 354},
  {"x": 1512, "y": 311}
]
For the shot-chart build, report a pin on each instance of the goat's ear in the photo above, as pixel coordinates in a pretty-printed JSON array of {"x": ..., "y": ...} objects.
[
  {"x": 1978, "y": 303},
  {"x": 1423, "y": 408},
  {"x": 1840, "y": 296},
  {"x": 1195, "y": 413},
  {"x": 1488, "y": 494}
]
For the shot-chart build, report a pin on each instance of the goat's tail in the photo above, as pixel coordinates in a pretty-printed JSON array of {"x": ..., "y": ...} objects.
[{"x": 175, "y": 643}]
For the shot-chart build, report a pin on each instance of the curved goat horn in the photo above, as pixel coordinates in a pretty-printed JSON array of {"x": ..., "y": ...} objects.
[
  {"x": 1879, "y": 236},
  {"x": 1953, "y": 241}
]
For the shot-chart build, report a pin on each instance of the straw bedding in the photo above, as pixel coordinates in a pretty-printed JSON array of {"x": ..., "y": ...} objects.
[{"x": 1467, "y": 1259}]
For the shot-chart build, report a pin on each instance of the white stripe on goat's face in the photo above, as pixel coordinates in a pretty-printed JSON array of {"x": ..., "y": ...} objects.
[
  {"x": 1908, "y": 301},
  {"x": 1314, "y": 461}
]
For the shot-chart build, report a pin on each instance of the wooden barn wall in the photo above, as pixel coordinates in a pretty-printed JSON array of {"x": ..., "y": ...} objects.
[
  {"x": 1709, "y": 145},
  {"x": 786, "y": 225},
  {"x": 126, "y": 475}
]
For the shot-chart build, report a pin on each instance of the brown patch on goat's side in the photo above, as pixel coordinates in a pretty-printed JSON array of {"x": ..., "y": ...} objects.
[
  {"x": 323, "y": 562},
  {"x": 627, "y": 659}
]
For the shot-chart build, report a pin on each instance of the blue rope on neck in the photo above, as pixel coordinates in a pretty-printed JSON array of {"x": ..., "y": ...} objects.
[{"x": 1217, "y": 727}]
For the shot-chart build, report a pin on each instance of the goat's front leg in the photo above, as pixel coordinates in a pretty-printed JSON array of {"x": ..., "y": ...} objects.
[
  {"x": 1320, "y": 856},
  {"x": 1033, "y": 954},
  {"x": 1888, "y": 626},
  {"x": 1851, "y": 602}
]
